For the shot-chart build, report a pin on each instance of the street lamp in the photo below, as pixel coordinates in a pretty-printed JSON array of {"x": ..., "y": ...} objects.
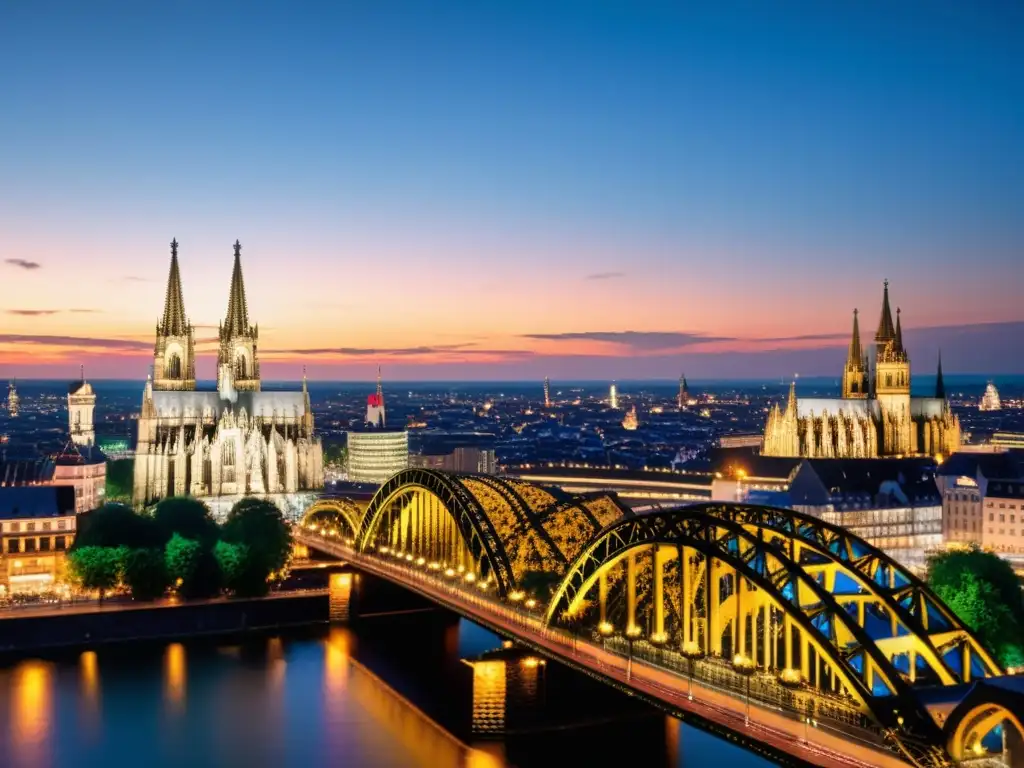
[
  {"x": 746, "y": 666},
  {"x": 693, "y": 652},
  {"x": 605, "y": 629},
  {"x": 632, "y": 634}
]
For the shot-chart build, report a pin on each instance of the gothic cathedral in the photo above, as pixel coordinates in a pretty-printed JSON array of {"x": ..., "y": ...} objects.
[
  {"x": 876, "y": 415},
  {"x": 234, "y": 441}
]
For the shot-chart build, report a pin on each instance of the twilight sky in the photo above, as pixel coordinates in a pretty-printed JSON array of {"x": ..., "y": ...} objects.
[{"x": 487, "y": 189}]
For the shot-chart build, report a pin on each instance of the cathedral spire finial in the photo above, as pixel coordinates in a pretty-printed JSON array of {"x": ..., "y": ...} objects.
[
  {"x": 855, "y": 358},
  {"x": 899, "y": 332},
  {"x": 940, "y": 385},
  {"x": 237, "y": 321},
  {"x": 81, "y": 372},
  {"x": 174, "y": 321},
  {"x": 886, "y": 331}
]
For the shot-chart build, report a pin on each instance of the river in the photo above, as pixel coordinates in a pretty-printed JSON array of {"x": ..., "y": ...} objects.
[{"x": 390, "y": 695}]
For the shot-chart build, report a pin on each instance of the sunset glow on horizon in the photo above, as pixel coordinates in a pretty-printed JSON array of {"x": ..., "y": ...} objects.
[{"x": 615, "y": 195}]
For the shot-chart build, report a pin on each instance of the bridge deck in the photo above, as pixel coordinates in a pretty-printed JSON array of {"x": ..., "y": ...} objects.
[{"x": 779, "y": 733}]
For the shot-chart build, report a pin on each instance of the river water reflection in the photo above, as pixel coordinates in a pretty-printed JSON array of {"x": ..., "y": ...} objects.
[{"x": 394, "y": 696}]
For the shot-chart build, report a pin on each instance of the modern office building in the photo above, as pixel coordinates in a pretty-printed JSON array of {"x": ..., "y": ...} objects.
[{"x": 374, "y": 455}]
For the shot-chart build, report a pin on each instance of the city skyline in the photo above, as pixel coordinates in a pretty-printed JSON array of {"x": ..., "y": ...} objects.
[{"x": 620, "y": 195}]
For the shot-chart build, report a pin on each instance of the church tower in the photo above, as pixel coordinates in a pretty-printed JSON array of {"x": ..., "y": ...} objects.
[
  {"x": 174, "y": 355},
  {"x": 236, "y": 356},
  {"x": 81, "y": 403},
  {"x": 855, "y": 376},
  {"x": 892, "y": 383}
]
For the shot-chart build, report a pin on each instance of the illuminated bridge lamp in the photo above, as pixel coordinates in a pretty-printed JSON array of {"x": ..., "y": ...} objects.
[
  {"x": 461, "y": 568},
  {"x": 744, "y": 665},
  {"x": 658, "y": 638},
  {"x": 693, "y": 652},
  {"x": 421, "y": 561},
  {"x": 409, "y": 558},
  {"x": 434, "y": 566},
  {"x": 605, "y": 628},
  {"x": 516, "y": 596},
  {"x": 790, "y": 678},
  {"x": 531, "y": 603},
  {"x": 633, "y": 631},
  {"x": 383, "y": 550},
  {"x": 450, "y": 573},
  {"x": 470, "y": 577}
]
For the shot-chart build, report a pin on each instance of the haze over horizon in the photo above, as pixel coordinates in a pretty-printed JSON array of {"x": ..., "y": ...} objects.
[{"x": 552, "y": 189}]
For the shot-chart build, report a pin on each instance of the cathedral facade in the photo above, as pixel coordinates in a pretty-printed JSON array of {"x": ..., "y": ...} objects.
[
  {"x": 233, "y": 441},
  {"x": 876, "y": 415}
]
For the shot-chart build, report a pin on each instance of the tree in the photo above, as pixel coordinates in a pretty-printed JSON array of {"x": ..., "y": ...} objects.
[
  {"x": 115, "y": 525},
  {"x": 145, "y": 573},
  {"x": 182, "y": 557},
  {"x": 120, "y": 479},
  {"x": 97, "y": 567},
  {"x": 188, "y": 517},
  {"x": 232, "y": 560},
  {"x": 260, "y": 527},
  {"x": 982, "y": 590}
]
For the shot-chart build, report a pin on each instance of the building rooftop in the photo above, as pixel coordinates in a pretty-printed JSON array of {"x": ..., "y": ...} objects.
[
  {"x": 36, "y": 501},
  {"x": 1005, "y": 465},
  {"x": 18, "y": 472}
]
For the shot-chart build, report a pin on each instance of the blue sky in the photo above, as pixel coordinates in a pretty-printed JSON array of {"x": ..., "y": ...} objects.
[{"x": 503, "y": 171}]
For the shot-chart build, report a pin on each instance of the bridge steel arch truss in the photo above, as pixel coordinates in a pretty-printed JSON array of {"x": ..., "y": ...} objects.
[
  {"x": 430, "y": 514},
  {"x": 743, "y": 596},
  {"x": 339, "y": 514},
  {"x": 916, "y": 631}
]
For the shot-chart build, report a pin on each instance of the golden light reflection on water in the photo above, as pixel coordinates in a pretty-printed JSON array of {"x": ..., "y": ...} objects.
[
  {"x": 175, "y": 670},
  {"x": 276, "y": 664},
  {"x": 89, "y": 684},
  {"x": 349, "y": 687},
  {"x": 31, "y": 710},
  {"x": 489, "y": 691}
]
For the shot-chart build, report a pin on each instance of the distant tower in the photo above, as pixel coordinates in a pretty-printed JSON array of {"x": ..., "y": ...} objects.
[
  {"x": 13, "y": 400},
  {"x": 683, "y": 399},
  {"x": 855, "y": 374},
  {"x": 990, "y": 400},
  {"x": 238, "y": 339},
  {"x": 940, "y": 385},
  {"x": 81, "y": 403},
  {"x": 613, "y": 396},
  {"x": 631, "y": 421},
  {"x": 174, "y": 354},
  {"x": 375, "y": 414},
  {"x": 547, "y": 392},
  {"x": 892, "y": 383}
]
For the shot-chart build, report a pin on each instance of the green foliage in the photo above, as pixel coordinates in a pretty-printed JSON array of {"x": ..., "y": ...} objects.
[
  {"x": 182, "y": 557},
  {"x": 115, "y": 525},
  {"x": 260, "y": 527},
  {"x": 945, "y": 569},
  {"x": 983, "y": 591},
  {"x": 335, "y": 454},
  {"x": 145, "y": 573},
  {"x": 120, "y": 478},
  {"x": 188, "y": 517},
  {"x": 97, "y": 567},
  {"x": 232, "y": 559}
]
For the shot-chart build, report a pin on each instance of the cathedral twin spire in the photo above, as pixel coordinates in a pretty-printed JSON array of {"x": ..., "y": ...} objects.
[{"x": 174, "y": 352}]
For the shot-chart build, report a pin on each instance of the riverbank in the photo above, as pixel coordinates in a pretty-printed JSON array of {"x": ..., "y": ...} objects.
[{"x": 92, "y": 625}]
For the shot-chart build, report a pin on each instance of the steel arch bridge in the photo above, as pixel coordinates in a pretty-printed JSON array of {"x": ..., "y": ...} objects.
[
  {"x": 819, "y": 611},
  {"x": 507, "y": 531},
  {"x": 334, "y": 513}
]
